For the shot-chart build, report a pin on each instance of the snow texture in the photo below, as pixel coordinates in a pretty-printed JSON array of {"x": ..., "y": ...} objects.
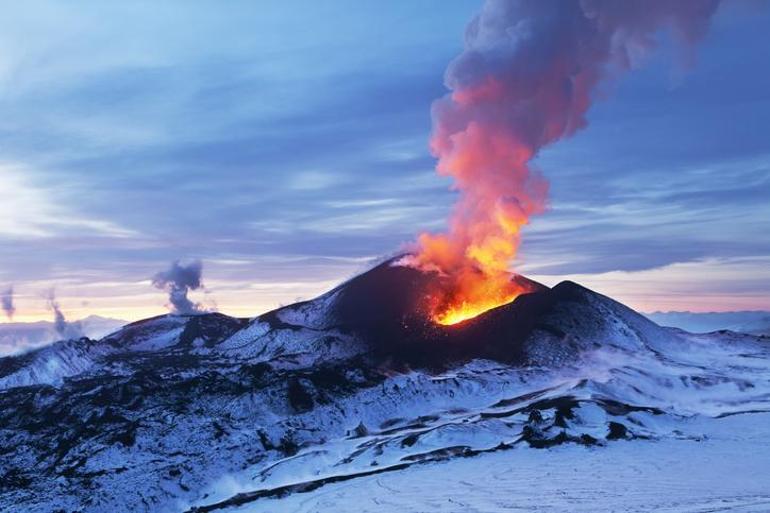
[{"x": 596, "y": 408}]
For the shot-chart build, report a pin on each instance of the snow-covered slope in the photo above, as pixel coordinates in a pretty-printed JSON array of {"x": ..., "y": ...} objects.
[
  {"x": 224, "y": 414},
  {"x": 173, "y": 333}
]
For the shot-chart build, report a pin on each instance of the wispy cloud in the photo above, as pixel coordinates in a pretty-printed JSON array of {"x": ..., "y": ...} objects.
[
  {"x": 28, "y": 210},
  {"x": 710, "y": 284}
]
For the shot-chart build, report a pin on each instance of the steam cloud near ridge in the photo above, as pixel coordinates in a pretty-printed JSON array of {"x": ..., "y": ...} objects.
[
  {"x": 6, "y": 299},
  {"x": 178, "y": 280},
  {"x": 65, "y": 330}
]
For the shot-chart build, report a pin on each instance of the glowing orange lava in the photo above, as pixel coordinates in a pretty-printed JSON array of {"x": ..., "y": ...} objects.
[
  {"x": 499, "y": 193},
  {"x": 458, "y": 313},
  {"x": 469, "y": 291}
]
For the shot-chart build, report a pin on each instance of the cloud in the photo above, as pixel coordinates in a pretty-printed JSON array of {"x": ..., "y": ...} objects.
[
  {"x": 139, "y": 130},
  {"x": 30, "y": 211},
  {"x": 652, "y": 218},
  {"x": 707, "y": 284},
  {"x": 178, "y": 280}
]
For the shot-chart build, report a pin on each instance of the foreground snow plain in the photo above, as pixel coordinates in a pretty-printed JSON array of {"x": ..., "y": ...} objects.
[
  {"x": 710, "y": 452},
  {"x": 726, "y": 470}
]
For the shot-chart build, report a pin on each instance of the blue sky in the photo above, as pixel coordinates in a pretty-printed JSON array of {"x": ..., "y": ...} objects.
[{"x": 285, "y": 145}]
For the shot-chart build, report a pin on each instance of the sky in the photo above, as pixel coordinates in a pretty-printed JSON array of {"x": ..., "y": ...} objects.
[{"x": 284, "y": 144}]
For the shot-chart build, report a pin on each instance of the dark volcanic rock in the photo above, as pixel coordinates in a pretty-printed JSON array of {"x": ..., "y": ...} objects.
[
  {"x": 384, "y": 309},
  {"x": 359, "y": 377}
]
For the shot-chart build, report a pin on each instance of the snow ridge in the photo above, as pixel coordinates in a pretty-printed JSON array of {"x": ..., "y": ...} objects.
[{"x": 222, "y": 414}]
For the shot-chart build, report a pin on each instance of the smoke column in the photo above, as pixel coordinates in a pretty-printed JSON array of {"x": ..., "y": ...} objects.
[
  {"x": 524, "y": 81},
  {"x": 6, "y": 298},
  {"x": 65, "y": 330},
  {"x": 177, "y": 281}
]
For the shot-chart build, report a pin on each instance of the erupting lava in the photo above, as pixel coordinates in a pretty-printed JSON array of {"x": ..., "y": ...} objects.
[
  {"x": 476, "y": 300},
  {"x": 523, "y": 82}
]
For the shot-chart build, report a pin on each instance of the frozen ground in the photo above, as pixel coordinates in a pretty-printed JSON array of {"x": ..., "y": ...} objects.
[
  {"x": 563, "y": 400},
  {"x": 701, "y": 442},
  {"x": 727, "y": 470}
]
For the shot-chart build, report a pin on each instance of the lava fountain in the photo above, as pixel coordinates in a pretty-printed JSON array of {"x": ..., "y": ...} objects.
[{"x": 524, "y": 81}]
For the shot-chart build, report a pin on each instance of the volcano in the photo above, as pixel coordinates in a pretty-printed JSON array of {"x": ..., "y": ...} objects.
[
  {"x": 385, "y": 313},
  {"x": 212, "y": 413}
]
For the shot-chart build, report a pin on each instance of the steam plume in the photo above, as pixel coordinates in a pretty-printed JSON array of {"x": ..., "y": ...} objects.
[
  {"x": 177, "y": 281},
  {"x": 65, "y": 330},
  {"x": 525, "y": 80},
  {"x": 6, "y": 298}
]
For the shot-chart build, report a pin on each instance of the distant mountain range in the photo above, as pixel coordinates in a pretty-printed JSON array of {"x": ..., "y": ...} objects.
[
  {"x": 752, "y": 322},
  {"x": 16, "y": 337}
]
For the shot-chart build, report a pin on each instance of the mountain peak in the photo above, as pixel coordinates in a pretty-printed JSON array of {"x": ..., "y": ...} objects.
[{"x": 360, "y": 376}]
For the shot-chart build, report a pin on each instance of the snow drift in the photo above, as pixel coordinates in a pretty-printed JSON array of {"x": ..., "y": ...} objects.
[{"x": 217, "y": 413}]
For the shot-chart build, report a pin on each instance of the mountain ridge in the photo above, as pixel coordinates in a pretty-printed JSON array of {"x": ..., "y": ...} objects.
[{"x": 152, "y": 417}]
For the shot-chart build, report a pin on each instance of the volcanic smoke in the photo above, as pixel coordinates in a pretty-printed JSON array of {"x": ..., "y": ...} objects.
[
  {"x": 177, "y": 280},
  {"x": 525, "y": 80},
  {"x": 66, "y": 330},
  {"x": 6, "y": 299}
]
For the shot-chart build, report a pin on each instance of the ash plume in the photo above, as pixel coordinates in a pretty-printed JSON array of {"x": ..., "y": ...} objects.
[
  {"x": 65, "y": 329},
  {"x": 6, "y": 300},
  {"x": 178, "y": 280},
  {"x": 526, "y": 79}
]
